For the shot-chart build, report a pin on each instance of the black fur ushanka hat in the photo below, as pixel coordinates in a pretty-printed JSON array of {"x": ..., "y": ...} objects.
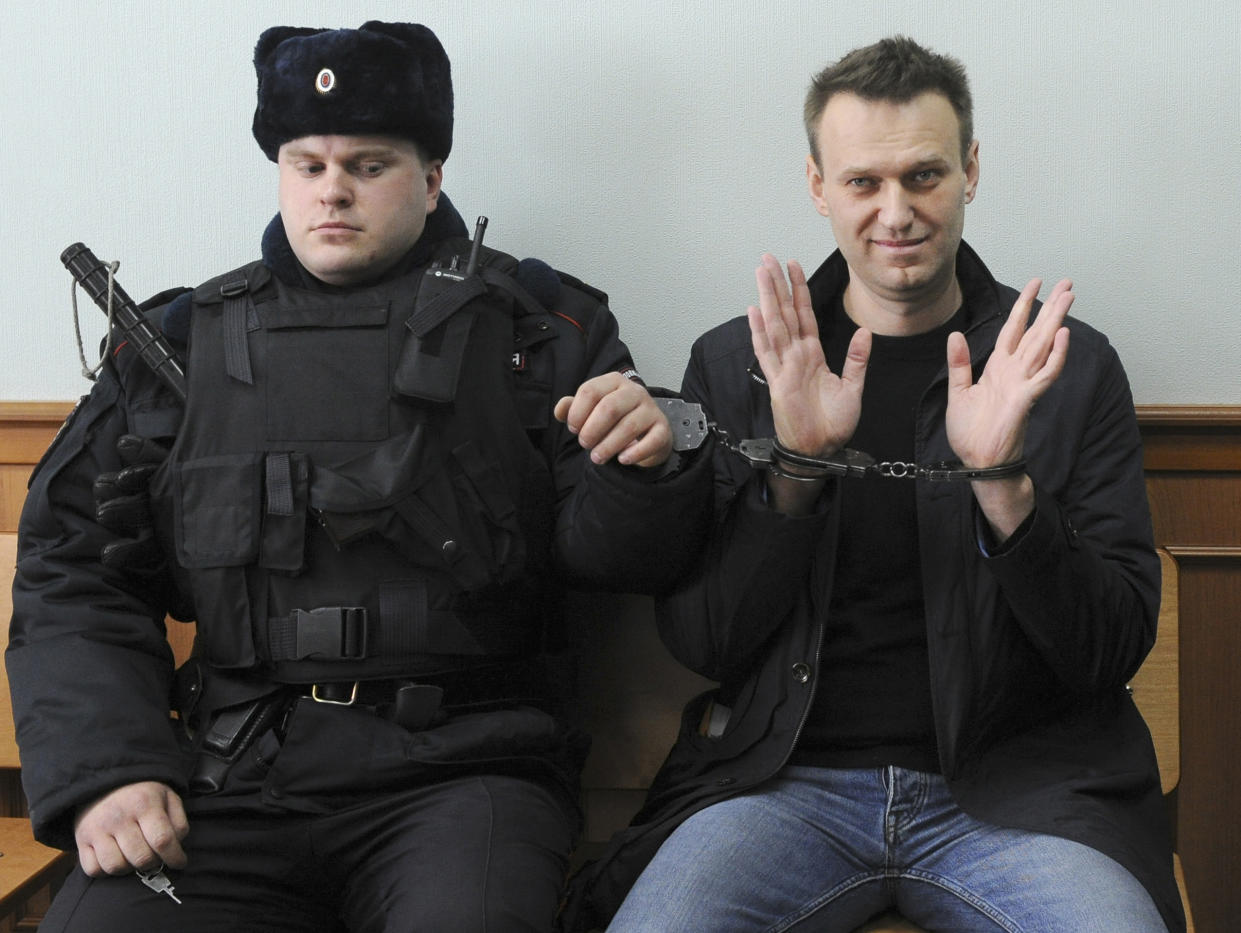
[{"x": 389, "y": 79}]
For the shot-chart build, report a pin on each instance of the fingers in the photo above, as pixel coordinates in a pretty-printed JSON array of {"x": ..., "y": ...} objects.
[
  {"x": 1015, "y": 327},
  {"x": 784, "y": 313},
  {"x": 783, "y": 330},
  {"x": 773, "y": 288},
  {"x": 614, "y": 417},
  {"x": 122, "y": 498},
  {"x": 1039, "y": 345},
  {"x": 1055, "y": 359},
  {"x": 136, "y": 826},
  {"x": 853, "y": 372},
  {"x": 165, "y": 831},
  {"x": 1044, "y": 345},
  {"x": 136, "y": 478},
  {"x": 1055, "y": 309},
  {"x": 125, "y": 515},
  {"x": 960, "y": 372},
  {"x": 133, "y": 554},
  {"x": 135, "y": 449}
]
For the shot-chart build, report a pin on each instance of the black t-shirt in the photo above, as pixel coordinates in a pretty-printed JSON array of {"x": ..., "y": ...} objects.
[{"x": 872, "y": 705}]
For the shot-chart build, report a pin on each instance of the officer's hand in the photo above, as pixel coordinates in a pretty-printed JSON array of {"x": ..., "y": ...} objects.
[
  {"x": 616, "y": 417},
  {"x": 135, "y": 826},
  {"x": 123, "y": 505}
]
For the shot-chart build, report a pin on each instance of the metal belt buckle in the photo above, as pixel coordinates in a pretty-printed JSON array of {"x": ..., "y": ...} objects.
[{"x": 315, "y": 695}]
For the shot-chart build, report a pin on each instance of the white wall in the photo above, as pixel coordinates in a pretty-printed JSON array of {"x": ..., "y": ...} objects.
[{"x": 652, "y": 148}]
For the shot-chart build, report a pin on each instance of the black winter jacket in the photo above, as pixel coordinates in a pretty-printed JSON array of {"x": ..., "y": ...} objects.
[
  {"x": 91, "y": 671},
  {"x": 1030, "y": 650}
]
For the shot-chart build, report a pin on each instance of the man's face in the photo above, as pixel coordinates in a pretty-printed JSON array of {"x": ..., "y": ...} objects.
[
  {"x": 352, "y": 206},
  {"x": 891, "y": 181}
]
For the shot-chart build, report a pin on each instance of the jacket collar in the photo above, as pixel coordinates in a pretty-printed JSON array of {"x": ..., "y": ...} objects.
[
  {"x": 979, "y": 290},
  {"x": 442, "y": 223}
]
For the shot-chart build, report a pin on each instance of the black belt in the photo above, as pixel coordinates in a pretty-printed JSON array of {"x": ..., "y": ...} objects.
[
  {"x": 411, "y": 705},
  {"x": 415, "y": 704}
]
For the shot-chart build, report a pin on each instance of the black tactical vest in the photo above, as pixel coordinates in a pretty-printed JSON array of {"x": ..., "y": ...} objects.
[{"x": 354, "y": 494}]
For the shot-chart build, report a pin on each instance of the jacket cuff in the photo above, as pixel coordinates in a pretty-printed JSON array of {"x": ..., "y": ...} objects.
[
  {"x": 52, "y": 818},
  {"x": 1035, "y": 534}
]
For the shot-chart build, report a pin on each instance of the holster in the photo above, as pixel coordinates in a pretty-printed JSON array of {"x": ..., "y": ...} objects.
[
  {"x": 229, "y": 734},
  {"x": 222, "y": 714}
]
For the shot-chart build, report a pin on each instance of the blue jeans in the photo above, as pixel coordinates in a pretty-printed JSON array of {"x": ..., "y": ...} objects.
[{"x": 820, "y": 849}]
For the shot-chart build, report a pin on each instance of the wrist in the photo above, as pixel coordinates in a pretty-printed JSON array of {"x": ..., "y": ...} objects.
[
  {"x": 1005, "y": 503},
  {"x": 791, "y": 493}
]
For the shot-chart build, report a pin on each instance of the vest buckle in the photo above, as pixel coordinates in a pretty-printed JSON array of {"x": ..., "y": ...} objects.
[{"x": 331, "y": 633}]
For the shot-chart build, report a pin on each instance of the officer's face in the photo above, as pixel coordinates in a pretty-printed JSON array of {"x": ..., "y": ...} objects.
[
  {"x": 352, "y": 206},
  {"x": 890, "y": 178}
]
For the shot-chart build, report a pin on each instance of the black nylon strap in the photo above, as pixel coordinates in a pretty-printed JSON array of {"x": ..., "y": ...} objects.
[
  {"x": 279, "y": 484},
  {"x": 430, "y": 315},
  {"x": 239, "y": 316}
]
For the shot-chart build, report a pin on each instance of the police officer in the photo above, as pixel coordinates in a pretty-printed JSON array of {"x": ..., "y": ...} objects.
[{"x": 396, "y": 444}]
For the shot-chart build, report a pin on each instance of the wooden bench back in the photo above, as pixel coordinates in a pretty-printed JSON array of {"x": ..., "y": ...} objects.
[
  {"x": 1157, "y": 685},
  {"x": 8, "y": 743}
]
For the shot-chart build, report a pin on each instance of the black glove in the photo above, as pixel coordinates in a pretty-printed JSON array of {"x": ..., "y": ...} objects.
[{"x": 123, "y": 506}]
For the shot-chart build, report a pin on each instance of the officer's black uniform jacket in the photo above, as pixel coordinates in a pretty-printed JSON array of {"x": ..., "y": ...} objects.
[
  {"x": 90, "y": 668},
  {"x": 1030, "y": 649}
]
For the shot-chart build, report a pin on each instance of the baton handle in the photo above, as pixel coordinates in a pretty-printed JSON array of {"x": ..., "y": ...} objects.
[{"x": 151, "y": 345}]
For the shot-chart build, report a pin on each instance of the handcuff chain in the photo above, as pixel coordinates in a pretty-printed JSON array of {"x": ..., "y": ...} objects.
[
  {"x": 691, "y": 426},
  {"x": 850, "y": 462}
]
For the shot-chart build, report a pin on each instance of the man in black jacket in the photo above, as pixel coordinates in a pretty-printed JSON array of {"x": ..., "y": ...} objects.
[
  {"x": 395, "y": 446},
  {"x": 921, "y": 666}
]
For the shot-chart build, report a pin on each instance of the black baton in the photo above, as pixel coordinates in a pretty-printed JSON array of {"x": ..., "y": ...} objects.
[{"x": 151, "y": 345}]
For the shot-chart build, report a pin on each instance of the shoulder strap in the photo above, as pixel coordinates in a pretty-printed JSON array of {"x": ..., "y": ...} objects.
[{"x": 236, "y": 290}]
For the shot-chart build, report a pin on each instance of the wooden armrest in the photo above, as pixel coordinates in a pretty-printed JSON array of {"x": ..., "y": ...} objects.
[{"x": 26, "y": 866}]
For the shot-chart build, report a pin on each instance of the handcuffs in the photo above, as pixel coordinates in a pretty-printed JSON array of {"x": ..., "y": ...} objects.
[{"x": 691, "y": 427}]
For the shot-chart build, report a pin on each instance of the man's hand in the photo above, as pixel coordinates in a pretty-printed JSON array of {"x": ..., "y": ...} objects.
[
  {"x": 815, "y": 411},
  {"x": 137, "y": 826},
  {"x": 986, "y": 421},
  {"x": 616, "y": 417}
]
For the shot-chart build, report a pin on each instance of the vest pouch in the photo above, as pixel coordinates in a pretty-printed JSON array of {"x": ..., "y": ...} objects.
[
  {"x": 218, "y": 505},
  {"x": 225, "y": 628},
  {"x": 436, "y": 336},
  {"x": 326, "y": 376},
  {"x": 465, "y": 514},
  {"x": 449, "y": 511},
  {"x": 219, "y": 516},
  {"x": 437, "y": 527},
  {"x": 430, "y": 366}
]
